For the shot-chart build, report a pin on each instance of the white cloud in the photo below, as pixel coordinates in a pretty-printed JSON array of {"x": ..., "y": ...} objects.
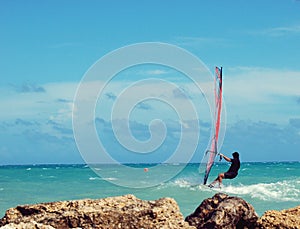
[
  {"x": 55, "y": 102},
  {"x": 279, "y": 31},
  {"x": 260, "y": 83},
  {"x": 261, "y": 93},
  {"x": 251, "y": 93},
  {"x": 156, "y": 72},
  {"x": 27, "y": 87},
  {"x": 263, "y": 141},
  {"x": 282, "y": 31}
]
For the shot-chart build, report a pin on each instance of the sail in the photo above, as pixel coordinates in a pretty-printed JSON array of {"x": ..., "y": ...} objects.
[{"x": 211, "y": 153}]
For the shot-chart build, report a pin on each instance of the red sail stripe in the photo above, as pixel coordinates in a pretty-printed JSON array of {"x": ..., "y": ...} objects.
[{"x": 217, "y": 121}]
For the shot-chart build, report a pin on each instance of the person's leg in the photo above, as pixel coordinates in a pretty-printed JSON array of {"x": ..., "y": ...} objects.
[{"x": 218, "y": 179}]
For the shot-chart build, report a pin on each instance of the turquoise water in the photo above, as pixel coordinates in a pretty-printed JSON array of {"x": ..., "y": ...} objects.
[{"x": 264, "y": 185}]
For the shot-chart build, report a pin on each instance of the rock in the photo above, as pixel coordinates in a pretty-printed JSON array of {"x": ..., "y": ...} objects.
[
  {"x": 223, "y": 211},
  {"x": 220, "y": 211},
  {"x": 113, "y": 212},
  {"x": 289, "y": 218},
  {"x": 29, "y": 225}
]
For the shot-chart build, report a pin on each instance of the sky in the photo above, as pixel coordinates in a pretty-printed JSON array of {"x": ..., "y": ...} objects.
[{"x": 48, "y": 47}]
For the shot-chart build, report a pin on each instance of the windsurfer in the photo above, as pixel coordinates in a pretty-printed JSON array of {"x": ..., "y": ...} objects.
[{"x": 232, "y": 171}]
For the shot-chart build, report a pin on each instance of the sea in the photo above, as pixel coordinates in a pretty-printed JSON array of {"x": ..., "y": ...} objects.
[{"x": 265, "y": 185}]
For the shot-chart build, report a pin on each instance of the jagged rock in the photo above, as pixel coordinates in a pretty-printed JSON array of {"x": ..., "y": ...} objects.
[
  {"x": 113, "y": 212},
  {"x": 28, "y": 225},
  {"x": 289, "y": 218},
  {"x": 220, "y": 211},
  {"x": 223, "y": 211}
]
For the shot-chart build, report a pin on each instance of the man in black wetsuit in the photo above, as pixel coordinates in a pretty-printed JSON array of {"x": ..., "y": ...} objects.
[{"x": 232, "y": 171}]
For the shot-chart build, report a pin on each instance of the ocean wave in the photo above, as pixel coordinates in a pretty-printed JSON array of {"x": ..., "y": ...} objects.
[
  {"x": 47, "y": 177},
  {"x": 279, "y": 191},
  {"x": 110, "y": 178},
  {"x": 104, "y": 178},
  {"x": 182, "y": 183},
  {"x": 95, "y": 178},
  {"x": 286, "y": 190}
]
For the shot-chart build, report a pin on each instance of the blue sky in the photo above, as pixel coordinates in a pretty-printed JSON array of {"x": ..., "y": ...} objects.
[{"x": 47, "y": 46}]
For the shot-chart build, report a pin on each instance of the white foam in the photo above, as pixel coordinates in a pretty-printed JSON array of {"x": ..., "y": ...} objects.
[
  {"x": 104, "y": 178},
  {"x": 182, "y": 183},
  {"x": 191, "y": 184},
  {"x": 110, "y": 178},
  {"x": 95, "y": 178},
  {"x": 287, "y": 190},
  {"x": 279, "y": 191}
]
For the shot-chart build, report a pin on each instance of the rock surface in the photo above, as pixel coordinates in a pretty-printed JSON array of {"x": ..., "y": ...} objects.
[
  {"x": 289, "y": 218},
  {"x": 220, "y": 211},
  {"x": 113, "y": 212},
  {"x": 223, "y": 211},
  {"x": 29, "y": 225}
]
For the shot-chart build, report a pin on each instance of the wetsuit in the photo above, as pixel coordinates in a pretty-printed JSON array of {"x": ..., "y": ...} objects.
[{"x": 233, "y": 170}]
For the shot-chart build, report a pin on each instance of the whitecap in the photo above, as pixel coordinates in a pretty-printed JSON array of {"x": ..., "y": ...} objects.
[
  {"x": 104, "y": 178},
  {"x": 290, "y": 169},
  {"x": 182, "y": 183},
  {"x": 279, "y": 191},
  {"x": 94, "y": 178},
  {"x": 110, "y": 178},
  {"x": 28, "y": 169},
  {"x": 188, "y": 183}
]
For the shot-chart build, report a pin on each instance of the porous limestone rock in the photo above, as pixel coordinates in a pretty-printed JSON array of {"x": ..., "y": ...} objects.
[
  {"x": 113, "y": 212},
  {"x": 223, "y": 211},
  {"x": 289, "y": 218},
  {"x": 29, "y": 225},
  {"x": 220, "y": 211}
]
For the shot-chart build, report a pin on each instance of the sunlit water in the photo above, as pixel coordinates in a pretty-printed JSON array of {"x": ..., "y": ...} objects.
[{"x": 264, "y": 185}]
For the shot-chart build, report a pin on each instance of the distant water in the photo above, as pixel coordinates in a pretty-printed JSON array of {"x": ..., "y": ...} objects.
[{"x": 264, "y": 185}]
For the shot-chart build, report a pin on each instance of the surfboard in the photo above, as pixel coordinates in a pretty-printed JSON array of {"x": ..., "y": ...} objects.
[{"x": 205, "y": 186}]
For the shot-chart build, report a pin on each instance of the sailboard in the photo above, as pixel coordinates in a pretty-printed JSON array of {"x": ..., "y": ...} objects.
[{"x": 211, "y": 153}]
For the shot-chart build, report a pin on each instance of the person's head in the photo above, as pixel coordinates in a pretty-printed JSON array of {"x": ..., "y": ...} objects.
[{"x": 235, "y": 155}]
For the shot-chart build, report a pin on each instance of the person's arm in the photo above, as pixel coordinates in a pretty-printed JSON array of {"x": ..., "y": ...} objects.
[{"x": 226, "y": 158}]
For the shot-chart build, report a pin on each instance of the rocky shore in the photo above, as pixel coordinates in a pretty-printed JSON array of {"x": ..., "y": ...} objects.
[{"x": 220, "y": 211}]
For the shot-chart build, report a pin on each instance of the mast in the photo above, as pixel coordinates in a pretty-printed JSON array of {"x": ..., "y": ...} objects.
[{"x": 213, "y": 151}]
